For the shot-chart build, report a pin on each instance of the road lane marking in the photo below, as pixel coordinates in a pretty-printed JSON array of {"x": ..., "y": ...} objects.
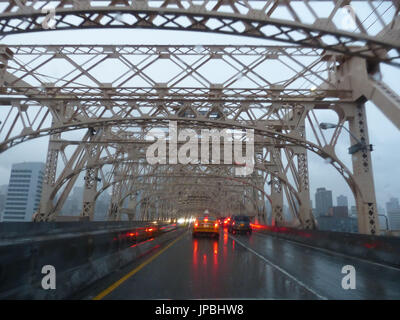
[
  {"x": 131, "y": 273},
  {"x": 331, "y": 252},
  {"x": 299, "y": 282}
]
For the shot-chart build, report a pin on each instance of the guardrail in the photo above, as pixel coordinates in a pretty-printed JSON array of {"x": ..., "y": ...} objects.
[
  {"x": 80, "y": 252},
  {"x": 381, "y": 249}
]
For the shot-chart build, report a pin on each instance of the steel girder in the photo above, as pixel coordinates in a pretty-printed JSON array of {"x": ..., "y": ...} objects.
[{"x": 321, "y": 27}]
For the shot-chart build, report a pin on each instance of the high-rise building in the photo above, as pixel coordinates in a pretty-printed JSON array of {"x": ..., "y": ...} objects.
[
  {"x": 339, "y": 212},
  {"x": 323, "y": 201},
  {"x": 394, "y": 219},
  {"x": 24, "y": 191},
  {"x": 393, "y": 213},
  {"x": 353, "y": 211},
  {"x": 342, "y": 201},
  {"x": 3, "y": 196},
  {"x": 392, "y": 204},
  {"x": 2, "y": 202}
]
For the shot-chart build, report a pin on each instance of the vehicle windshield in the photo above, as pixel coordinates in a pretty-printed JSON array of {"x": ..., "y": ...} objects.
[{"x": 194, "y": 149}]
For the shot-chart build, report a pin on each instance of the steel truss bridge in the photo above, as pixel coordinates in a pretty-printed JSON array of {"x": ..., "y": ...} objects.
[{"x": 115, "y": 94}]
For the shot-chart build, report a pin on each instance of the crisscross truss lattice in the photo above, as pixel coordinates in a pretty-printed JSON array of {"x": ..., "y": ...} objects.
[
  {"x": 120, "y": 161},
  {"x": 251, "y": 85},
  {"x": 371, "y": 33},
  {"x": 119, "y": 93}
]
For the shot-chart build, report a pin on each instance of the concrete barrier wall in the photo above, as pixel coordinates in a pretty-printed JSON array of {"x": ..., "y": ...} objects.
[
  {"x": 381, "y": 249},
  {"x": 81, "y": 254},
  {"x": 11, "y": 230}
]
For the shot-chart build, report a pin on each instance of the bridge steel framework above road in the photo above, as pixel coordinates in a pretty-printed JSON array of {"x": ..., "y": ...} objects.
[{"x": 322, "y": 68}]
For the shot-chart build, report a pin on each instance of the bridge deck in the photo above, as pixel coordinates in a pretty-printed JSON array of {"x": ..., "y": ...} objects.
[{"x": 257, "y": 267}]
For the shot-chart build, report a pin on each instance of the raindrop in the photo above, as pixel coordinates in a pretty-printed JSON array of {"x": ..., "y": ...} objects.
[
  {"x": 240, "y": 77},
  {"x": 119, "y": 18},
  {"x": 199, "y": 48},
  {"x": 328, "y": 160}
]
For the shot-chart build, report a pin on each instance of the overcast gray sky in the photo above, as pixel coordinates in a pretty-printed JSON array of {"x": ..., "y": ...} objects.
[{"x": 383, "y": 134}]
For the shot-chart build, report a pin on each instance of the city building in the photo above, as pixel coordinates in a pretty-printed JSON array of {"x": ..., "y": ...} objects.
[
  {"x": 392, "y": 204},
  {"x": 24, "y": 192},
  {"x": 393, "y": 213},
  {"x": 353, "y": 211},
  {"x": 342, "y": 201},
  {"x": 339, "y": 212},
  {"x": 3, "y": 196},
  {"x": 394, "y": 219},
  {"x": 2, "y": 202},
  {"x": 323, "y": 201},
  {"x": 330, "y": 223}
]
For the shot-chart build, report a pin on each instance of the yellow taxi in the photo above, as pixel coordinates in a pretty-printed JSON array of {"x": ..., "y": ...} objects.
[{"x": 206, "y": 225}]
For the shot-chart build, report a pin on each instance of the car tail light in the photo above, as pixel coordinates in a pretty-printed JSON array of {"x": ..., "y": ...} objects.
[
  {"x": 233, "y": 223},
  {"x": 196, "y": 224}
]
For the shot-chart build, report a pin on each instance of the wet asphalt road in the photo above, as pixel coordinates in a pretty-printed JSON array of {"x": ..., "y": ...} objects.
[{"x": 254, "y": 267}]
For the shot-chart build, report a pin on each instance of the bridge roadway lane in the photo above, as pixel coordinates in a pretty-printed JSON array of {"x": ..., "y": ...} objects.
[{"x": 254, "y": 267}]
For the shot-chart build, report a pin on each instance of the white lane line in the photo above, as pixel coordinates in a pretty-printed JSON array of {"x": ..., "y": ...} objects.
[
  {"x": 299, "y": 282},
  {"x": 334, "y": 253}
]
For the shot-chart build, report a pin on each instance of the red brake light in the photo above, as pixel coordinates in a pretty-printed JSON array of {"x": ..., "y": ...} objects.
[{"x": 233, "y": 223}]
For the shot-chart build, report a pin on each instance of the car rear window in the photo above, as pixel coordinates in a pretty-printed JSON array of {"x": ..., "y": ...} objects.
[
  {"x": 209, "y": 218},
  {"x": 242, "y": 218}
]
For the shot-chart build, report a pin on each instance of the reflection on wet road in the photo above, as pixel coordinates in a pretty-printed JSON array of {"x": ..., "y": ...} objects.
[{"x": 255, "y": 267}]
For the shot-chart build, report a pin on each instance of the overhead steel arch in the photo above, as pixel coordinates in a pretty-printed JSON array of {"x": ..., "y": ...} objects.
[
  {"x": 320, "y": 151},
  {"x": 241, "y": 18},
  {"x": 206, "y": 176},
  {"x": 107, "y": 161},
  {"x": 174, "y": 197},
  {"x": 76, "y": 172}
]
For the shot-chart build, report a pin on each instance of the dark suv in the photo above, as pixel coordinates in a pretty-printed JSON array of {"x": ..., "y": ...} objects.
[{"x": 239, "y": 224}]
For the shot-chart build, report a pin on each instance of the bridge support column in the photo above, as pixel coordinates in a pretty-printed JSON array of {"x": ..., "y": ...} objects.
[
  {"x": 365, "y": 198},
  {"x": 90, "y": 187},
  {"x": 49, "y": 179},
  {"x": 113, "y": 213},
  {"x": 132, "y": 206},
  {"x": 54, "y": 148},
  {"x": 277, "y": 217},
  {"x": 305, "y": 210}
]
